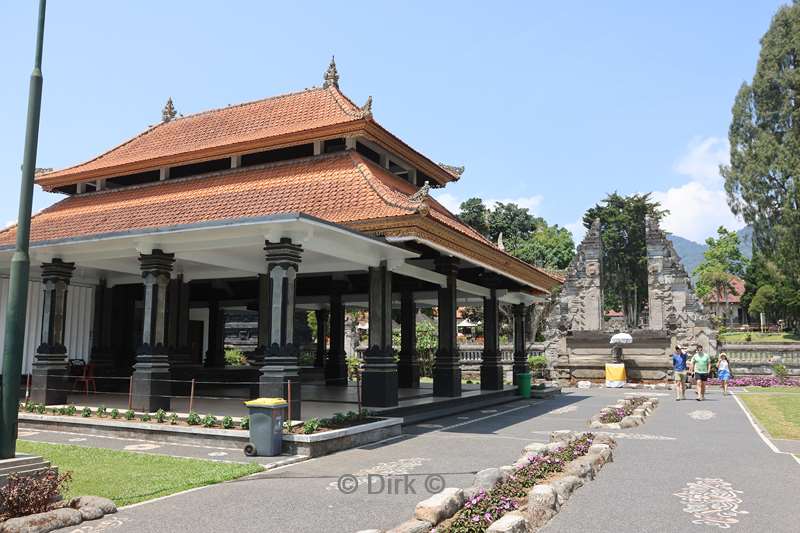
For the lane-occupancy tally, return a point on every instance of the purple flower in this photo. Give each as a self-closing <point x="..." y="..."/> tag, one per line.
<point x="476" y="518"/>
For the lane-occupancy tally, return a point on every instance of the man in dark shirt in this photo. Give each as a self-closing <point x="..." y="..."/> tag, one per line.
<point x="679" y="372"/>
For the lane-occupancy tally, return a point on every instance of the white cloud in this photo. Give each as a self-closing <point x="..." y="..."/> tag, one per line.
<point x="698" y="207"/>
<point x="577" y="229"/>
<point x="449" y="201"/>
<point x="453" y="202"/>
<point x="696" y="211"/>
<point x="529" y="202"/>
<point x="702" y="159"/>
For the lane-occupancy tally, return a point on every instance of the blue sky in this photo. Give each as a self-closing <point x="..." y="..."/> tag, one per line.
<point x="548" y="104"/>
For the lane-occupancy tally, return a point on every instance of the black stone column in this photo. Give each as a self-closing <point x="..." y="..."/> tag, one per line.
<point x="49" y="382"/>
<point x="491" y="369"/>
<point x="447" y="365"/>
<point x="102" y="355"/>
<point x="215" y="357"/>
<point x="379" y="387"/>
<point x="178" y="322"/>
<point x="151" y="386"/>
<point x="322" y="318"/>
<point x="520" y="353"/>
<point x="408" y="366"/>
<point x="276" y="324"/>
<point x="336" y="364"/>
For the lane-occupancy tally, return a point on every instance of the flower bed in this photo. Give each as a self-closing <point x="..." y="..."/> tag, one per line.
<point x="618" y="413"/>
<point x="759" y="381"/>
<point x="509" y="494"/>
<point x="522" y="497"/>
<point x="628" y="412"/>
<point x="314" y="425"/>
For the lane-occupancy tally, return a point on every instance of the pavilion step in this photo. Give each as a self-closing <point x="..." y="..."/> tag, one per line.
<point x="413" y="414"/>
<point x="24" y="465"/>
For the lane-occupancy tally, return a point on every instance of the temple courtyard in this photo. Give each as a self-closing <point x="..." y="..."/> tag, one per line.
<point x="671" y="474"/>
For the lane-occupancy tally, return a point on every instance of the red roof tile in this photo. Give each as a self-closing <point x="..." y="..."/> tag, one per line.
<point x="271" y="117"/>
<point x="338" y="188"/>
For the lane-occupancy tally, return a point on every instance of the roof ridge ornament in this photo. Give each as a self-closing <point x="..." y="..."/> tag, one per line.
<point x="366" y="109"/>
<point x="422" y="194"/>
<point x="500" y="245"/>
<point x="168" y="113"/>
<point x="331" y="75"/>
<point x="455" y="171"/>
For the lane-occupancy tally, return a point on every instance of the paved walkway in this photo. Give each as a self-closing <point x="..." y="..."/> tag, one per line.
<point x="708" y="453"/>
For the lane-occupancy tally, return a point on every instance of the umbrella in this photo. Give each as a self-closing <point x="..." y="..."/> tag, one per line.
<point x="621" y="338"/>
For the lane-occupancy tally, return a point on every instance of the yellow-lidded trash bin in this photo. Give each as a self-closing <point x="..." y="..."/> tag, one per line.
<point x="266" y="426"/>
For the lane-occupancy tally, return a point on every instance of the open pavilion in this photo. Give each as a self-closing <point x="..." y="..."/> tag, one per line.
<point x="301" y="201"/>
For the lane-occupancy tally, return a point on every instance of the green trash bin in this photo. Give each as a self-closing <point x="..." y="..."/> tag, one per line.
<point x="524" y="384"/>
<point x="266" y="426"/>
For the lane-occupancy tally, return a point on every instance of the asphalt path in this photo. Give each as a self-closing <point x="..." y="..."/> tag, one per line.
<point x="688" y="462"/>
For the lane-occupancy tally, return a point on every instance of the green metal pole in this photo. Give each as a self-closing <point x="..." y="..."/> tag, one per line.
<point x="20" y="263"/>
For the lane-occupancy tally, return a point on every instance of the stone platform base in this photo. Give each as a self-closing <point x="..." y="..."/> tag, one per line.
<point x="22" y="464"/>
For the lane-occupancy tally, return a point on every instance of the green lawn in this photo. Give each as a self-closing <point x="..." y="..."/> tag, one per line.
<point x="766" y="390"/>
<point x="127" y="477"/>
<point x="756" y="337"/>
<point x="779" y="414"/>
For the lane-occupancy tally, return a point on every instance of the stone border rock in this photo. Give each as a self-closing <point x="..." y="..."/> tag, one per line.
<point x="543" y="501"/>
<point x="70" y="513"/>
<point x="634" y="419"/>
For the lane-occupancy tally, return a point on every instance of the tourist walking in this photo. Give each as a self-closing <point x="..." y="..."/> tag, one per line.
<point x="701" y="367"/>
<point x="724" y="372"/>
<point x="679" y="371"/>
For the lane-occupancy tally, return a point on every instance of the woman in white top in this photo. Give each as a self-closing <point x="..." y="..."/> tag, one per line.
<point x="723" y="372"/>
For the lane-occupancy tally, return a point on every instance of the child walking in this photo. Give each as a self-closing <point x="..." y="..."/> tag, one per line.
<point x="724" y="372"/>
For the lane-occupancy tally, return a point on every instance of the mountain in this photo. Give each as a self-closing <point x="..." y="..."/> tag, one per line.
<point x="691" y="252"/>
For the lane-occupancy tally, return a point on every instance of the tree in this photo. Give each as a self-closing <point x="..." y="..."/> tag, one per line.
<point x="549" y="247"/>
<point x="763" y="300"/>
<point x="762" y="179"/>
<point x="474" y="213"/>
<point x="722" y="259"/>
<point x="514" y="222"/>
<point x="622" y="230"/>
<point x="525" y="236"/>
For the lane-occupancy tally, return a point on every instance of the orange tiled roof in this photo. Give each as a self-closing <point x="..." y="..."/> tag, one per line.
<point x="732" y="297"/>
<point x="342" y="188"/>
<point x="290" y="117"/>
<point x="270" y="117"/>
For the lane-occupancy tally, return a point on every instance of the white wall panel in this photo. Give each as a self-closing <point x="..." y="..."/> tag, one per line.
<point x="78" y="332"/>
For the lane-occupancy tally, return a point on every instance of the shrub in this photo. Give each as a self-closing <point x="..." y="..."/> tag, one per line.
<point x="209" y="421"/>
<point x="193" y="419"/>
<point x="101" y="411"/>
<point x="71" y="410"/>
<point x="748" y="338"/>
<point x="145" y="417"/>
<point x="173" y="418"/>
<point x="130" y="414"/>
<point x="338" y="418"/>
<point x="227" y="422"/>
<point x="780" y="372"/>
<point x="86" y="412"/>
<point x="234" y="357"/>
<point x="161" y="416"/>
<point x="40" y="408"/>
<point x="25" y="495"/>
<point x="245" y="422"/>
<point x="311" y="426"/>
<point x="353" y="367"/>
<point x="29" y="407"/>
<point x="115" y="413"/>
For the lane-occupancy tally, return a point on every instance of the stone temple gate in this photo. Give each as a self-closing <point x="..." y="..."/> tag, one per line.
<point x="577" y="332"/>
